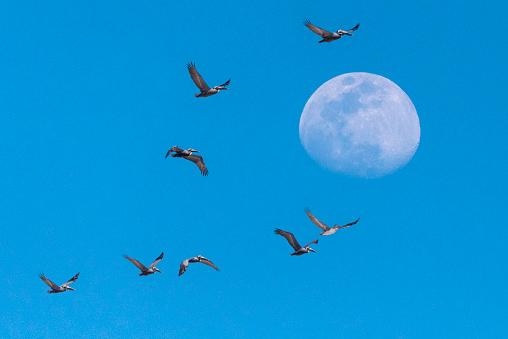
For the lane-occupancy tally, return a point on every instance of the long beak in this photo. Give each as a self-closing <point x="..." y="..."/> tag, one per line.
<point x="167" y="154"/>
<point x="348" y="34"/>
<point x="158" y="270"/>
<point x="224" y="88"/>
<point x="310" y="249"/>
<point x="70" y="288"/>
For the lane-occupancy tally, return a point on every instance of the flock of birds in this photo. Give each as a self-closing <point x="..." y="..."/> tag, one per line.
<point x="176" y="152"/>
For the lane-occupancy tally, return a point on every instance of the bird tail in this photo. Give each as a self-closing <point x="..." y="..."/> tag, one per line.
<point x="196" y="95"/>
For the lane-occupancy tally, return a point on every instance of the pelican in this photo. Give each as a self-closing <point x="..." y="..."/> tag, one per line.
<point x="187" y="154"/>
<point x="146" y="271"/>
<point x="328" y="36"/>
<point x="206" y="91"/>
<point x="62" y="288"/>
<point x="299" y="250"/>
<point x="327" y="230"/>
<point x="199" y="258"/>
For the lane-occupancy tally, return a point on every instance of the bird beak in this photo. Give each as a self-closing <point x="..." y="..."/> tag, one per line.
<point x="310" y="249"/>
<point x="224" y="88"/>
<point x="158" y="270"/>
<point x="348" y="34"/>
<point x="70" y="288"/>
<point x="167" y="154"/>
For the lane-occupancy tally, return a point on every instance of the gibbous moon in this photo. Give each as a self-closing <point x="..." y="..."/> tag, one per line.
<point x="360" y="124"/>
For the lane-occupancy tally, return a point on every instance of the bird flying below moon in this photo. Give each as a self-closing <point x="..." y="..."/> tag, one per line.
<point x="327" y="230"/>
<point x="360" y="124"/>
<point x="62" y="288"/>
<point x="188" y="154"/>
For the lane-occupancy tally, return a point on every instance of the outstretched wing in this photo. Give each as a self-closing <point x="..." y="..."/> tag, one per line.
<point x="353" y="29"/>
<point x="316" y="221"/>
<point x="183" y="267"/>
<point x="159" y="258"/>
<point x="198" y="160"/>
<point x="347" y="225"/>
<point x="71" y="280"/>
<point x="290" y="238"/>
<point x="208" y="262"/>
<point x="49" y="282"/>
<point x="198" y="80"/>
<point x="315" y="29"/>
<point x="226" y="83"/>
<point x="312" y="242"/>
<point x="137" y="263"/>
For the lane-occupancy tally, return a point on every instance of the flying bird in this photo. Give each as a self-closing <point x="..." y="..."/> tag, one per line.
<point x="144" y="270"/>
<point x="327" y="230"/>
<point x="328" y="36"/>
<point x="299" y="250"/>
<point x="62" y="288"/>
<point x="206" y="91"/>
<point x="199" y="258"/>
<point x="188" y="154"/>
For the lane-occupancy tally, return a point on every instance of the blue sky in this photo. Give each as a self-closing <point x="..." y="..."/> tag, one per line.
<point x="94" y="94"/>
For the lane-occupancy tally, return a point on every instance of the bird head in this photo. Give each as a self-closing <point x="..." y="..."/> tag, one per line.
<point x="157" y="270"/>
<point x="310" y="250"/>
<point x="219" y="88"/>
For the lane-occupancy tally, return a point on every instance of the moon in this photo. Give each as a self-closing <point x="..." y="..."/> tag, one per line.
<point x="360" y="124"/>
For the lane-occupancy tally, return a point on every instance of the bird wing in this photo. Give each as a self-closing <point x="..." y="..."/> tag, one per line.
<point x="198" y="160"/>
<point x="289" y="237"/>
<point x="71" y="280"/>
<point x="183" y="267"/>
<point x="198" y="80"/>
<point x="208" y="262"/>
<point x="347" y="225"/>
<point x="316" y="221"/>
<point x="173" y="149"/>
<point x="49" y="282"/>
<point x="312" y="242"/>
<point x="137" y="263"/>
<point x="159" y="258"/>
<point x="353" y="29"/>
<point x="226" y="83"/>
<point x="315" y="29"/>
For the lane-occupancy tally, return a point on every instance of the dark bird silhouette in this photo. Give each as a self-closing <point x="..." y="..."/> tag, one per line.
<point x="62" y="288"/>
<point x="199" y="258"/>
<point x="206" y="91"/>
<point x="329" y="36"/>
<point x="146" y="270"/>
<point x="187" y="154"/>
<point x="299" y="250"/>
<point x="327" y="230"/>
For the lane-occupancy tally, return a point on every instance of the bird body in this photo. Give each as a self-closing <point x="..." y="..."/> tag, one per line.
<point x="299" y="250"/>
<point x="146" y="270"/>
<point x="199" y="258"/>
<point x="329" y="36"/>
<point x="62" y="288"/>
<point x="327" y="230"/>
<point x="206" y="91"/>
<point x="188" y="154"/>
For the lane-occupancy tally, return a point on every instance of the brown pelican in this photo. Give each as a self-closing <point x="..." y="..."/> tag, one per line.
<point x="187" y="154"/>
<point x="206" y="91"/>
<point x="199" y="258"/>
<point x="299" y="250"/>
<point x="146" y="271"/>
<point x="327" y="230"/>
<point x="57" y="289"/>
<point x="328" y="36"/>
